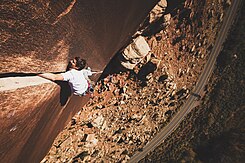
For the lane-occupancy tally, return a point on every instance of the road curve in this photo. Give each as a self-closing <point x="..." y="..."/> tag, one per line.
<point x="203" y="79"/>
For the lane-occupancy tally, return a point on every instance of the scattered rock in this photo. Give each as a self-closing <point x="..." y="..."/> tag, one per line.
<point x="98" y="122"/>
<point x="91" y="141"/>
<point x="126" y="112"/>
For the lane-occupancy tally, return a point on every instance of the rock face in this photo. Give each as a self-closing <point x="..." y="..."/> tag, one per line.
<point x="130" y="107"/>
<point x="42" y="36"/>
<point x="135" y="52"/>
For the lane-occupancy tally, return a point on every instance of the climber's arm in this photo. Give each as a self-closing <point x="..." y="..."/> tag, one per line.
<point x="51" y="76"/>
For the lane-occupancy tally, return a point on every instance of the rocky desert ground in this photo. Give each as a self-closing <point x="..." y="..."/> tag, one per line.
<point x="129" y="107"/>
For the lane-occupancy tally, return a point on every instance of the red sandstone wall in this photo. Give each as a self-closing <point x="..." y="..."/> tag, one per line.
<point x="41" y="36"/>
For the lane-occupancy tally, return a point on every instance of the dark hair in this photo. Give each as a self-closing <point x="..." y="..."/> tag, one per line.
<point x="81" y="63"/>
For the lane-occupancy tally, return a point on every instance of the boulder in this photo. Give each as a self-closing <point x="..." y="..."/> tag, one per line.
<point x="157" y="11"/>
<point x="135" y="52"/>
<point x="98" y="122"/>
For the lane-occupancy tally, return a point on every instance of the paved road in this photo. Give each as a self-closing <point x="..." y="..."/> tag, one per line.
<point x="203" y="79"/>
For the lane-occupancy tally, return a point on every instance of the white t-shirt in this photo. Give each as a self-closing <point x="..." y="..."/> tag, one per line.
<point x="77" y="80"/>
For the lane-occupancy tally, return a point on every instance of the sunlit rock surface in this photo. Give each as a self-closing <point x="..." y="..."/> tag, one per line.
<point x="42" y="36"/>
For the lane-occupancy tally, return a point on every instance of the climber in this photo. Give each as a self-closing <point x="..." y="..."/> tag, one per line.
<point x="77" y="76"/>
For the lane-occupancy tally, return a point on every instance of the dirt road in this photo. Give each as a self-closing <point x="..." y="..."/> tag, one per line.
<point x="203" y="79"/>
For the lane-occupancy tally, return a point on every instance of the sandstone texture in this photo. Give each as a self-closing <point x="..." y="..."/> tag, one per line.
<point x="42" y="36"/>
<point x="129" y="107"/>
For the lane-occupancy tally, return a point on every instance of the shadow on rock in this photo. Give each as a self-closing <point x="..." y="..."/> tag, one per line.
<point x="80" y="156"/>
<point x="65" y="92"/>
<point x="146" y="70"/>
<point x="114" y="66"/>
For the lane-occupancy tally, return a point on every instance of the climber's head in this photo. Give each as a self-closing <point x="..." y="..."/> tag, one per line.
<point x="77" y="63"/>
